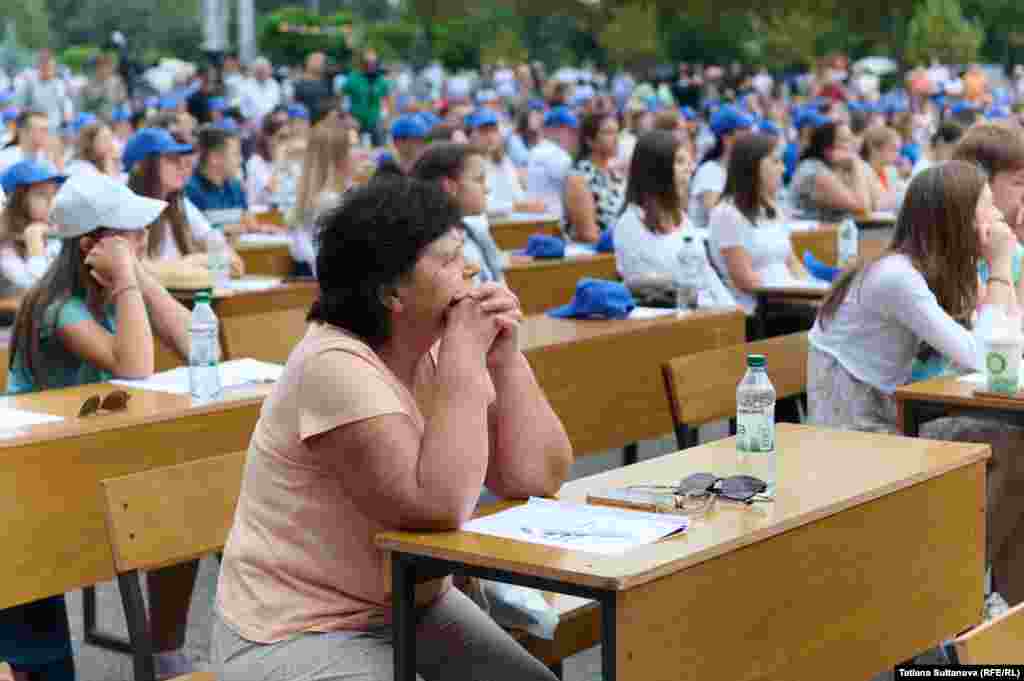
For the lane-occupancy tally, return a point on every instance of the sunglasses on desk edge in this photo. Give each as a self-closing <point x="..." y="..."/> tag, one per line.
<point x="115" y="401"/>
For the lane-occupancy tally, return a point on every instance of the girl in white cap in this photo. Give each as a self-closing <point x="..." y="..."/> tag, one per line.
<point x="91" y="317"/>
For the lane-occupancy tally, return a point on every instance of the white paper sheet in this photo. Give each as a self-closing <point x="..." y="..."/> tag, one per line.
<point x="524" y="217"/>
<point x="233" y="374"/>
<point x="651" y="312"/>
<point x="575" y="250"/>
<point x="979" y="379"/>
<point x="19" y="418"/>
<point x="578" y="527"/>
<point x="260" y="239"/>
<point x="251" y="284"/>
<point x="803" y="225"/>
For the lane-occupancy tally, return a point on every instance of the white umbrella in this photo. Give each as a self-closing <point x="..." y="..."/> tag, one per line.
<point x="876" y="65"/>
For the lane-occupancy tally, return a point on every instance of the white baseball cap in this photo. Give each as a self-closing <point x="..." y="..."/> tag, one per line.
<point x="90" y="200"/>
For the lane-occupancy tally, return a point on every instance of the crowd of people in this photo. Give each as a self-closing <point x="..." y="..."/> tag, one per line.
<point x="387" y="179"/>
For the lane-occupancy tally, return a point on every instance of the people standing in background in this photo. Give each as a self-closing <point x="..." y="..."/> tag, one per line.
<point x="409" y="137"/>
<point x="261" y="94"/>
<point x="551" y="160"/>
<point x="32" y="142"/>
<point x="47" y="93"/>
<point x="259" y="167"/>
<point x="198" y="103"/>
<point x="105" y="91"/>
<point x="369" y="94"/>
<point x="312" y="90"/>
<point x="233" y="79"/>
<point x="594" y="189"/>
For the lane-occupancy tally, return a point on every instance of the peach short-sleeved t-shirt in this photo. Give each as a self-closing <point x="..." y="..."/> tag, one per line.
<point x="300" y="556"/>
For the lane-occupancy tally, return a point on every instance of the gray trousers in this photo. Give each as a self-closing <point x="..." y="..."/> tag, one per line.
<point x="456" y="641"/>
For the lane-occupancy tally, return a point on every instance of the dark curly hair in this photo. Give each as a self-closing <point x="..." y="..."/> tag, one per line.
<point x="370" y="243"/>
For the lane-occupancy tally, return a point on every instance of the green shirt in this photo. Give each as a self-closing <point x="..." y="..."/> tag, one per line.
<point x="365" y="97"/>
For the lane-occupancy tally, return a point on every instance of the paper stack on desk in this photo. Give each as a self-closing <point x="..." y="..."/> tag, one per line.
<point x="233" y="374"/>
<point x="578" y="527"/>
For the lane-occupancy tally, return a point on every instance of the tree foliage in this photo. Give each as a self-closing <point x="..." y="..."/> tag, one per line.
<point x="30" y="20"/>
<point x="789" y="37"/>
<point x="939" y="29"/>
<point x="631" y="36"/>
<point x="281" y="44"/>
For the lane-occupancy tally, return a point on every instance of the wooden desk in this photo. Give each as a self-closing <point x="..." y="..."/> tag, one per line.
<point x="5" y="356"/>
<point x="263" y="325"/>
<point x="873" y="551"/>
<point x="878" y="220"/>
<point x="769" y="296"/>
<point x="267" y="259"/>
<point x="514" y="231"/>
<point x="10" y="305"/>
<point x="925" y="400"/>
<point x="604" y="378"/>
<point x="822" y="242"/>
<point x="49" y="476"/>
<point x="548" y="282"/>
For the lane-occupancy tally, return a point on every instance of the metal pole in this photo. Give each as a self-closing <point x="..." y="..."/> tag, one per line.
<point x="246" y="31"/>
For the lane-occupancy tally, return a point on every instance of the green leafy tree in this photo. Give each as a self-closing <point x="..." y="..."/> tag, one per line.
<point x="939" y="29"/>
<point x="789" y="37"/>
<point x="631" y="37"/>
<point x="282" y="44"/>
<point x="31" y="22"/>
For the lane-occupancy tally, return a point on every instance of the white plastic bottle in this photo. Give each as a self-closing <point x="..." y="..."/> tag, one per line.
<point x="219" y="257"/>
<point x="204" y="350"/>
<point x="755" y="422"/>
<point x="692" y="276"/>
<point x="848" y="239"/>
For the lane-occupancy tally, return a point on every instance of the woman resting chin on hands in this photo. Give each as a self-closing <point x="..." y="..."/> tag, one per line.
<point x="407" y="394"/>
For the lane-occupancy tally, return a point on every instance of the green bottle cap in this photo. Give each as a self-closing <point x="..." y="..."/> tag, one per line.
<point x="755" y="361"/>
<point x="203" y="296"/>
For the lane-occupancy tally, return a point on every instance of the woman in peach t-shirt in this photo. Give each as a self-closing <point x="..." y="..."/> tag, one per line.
<point x="407" y="394"/>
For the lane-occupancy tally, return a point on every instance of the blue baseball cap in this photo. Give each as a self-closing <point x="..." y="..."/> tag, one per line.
<point x="537" y="105"/>
<point x="480" y="118"/>
<point x="149" y="142"/>
<point x="410" y="126"/>
<point x="961" y="106"/>
<point x="810" y="118"/>
<point x="121" y="114"/>
<point x="218" y="104"/>
<point x="29" y="172"/>
<point x="561" y="117"/>
<point x="767" y="127"/>
<point x="688" y="113"/>
<point x="597" y="299"/>
<point x="10" y="114"/>
<point x="820" y="270"/>
<point x="81" y="120"/>
<point x="228" y="124"/>
<point x="485" y="96"/>
<point x="298" y="111"/>
<point x="544" y="246"/>
<point x="606" y="244"/>
<point x="168" y="102"/>
<point x="729" y="119"/>
<point x="430" y="118"/>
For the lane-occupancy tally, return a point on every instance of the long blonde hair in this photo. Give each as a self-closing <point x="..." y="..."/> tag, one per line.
<point x="327" y="152"/>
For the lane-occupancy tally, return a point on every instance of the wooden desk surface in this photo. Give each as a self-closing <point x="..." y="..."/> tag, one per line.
<point x="947" y="390"/>
<point x="10" y="304"/>
<point x="822" y="242"/>
<point x="514" y="231"/>
<point x="604" y="378"/>
<point x="820" y="473"/>
<point x="548" y="282"/>
<point x="267" y="259"/>
<point x="49" y="475"/>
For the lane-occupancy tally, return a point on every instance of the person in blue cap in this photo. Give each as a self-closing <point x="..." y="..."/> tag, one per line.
<point x="298" y="118"/>
<point x="727" y="124"/>
<point x="25" y="224"/>
<point x="805" y="120"/>
<point x="505" y="193"/>
<point x="528" y="132"/>
<point x="32" y="141"/>
<point x="218" y="105"/>
<point x="551" y="160"/>
<point x="409" y="139"/>
<point x="158" y="168"/>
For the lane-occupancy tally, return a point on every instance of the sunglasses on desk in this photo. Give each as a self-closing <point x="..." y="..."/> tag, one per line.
<point x="695" y="494"/>
<point x="115" y="401"/>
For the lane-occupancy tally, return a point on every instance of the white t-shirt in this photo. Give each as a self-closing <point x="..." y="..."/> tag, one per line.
<point x="503" y="188"/>
<point x="546" y="172"/>
<point x="200" y="231"/>
<point x="877" y="329"/>
<point x="767" y="244"/>
<point x="710" y="177"/>
<point x="640" y="252"/>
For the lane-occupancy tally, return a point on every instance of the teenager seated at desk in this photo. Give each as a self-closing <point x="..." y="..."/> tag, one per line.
<point x="214" y="186"/>
<point x="830" y="182"/>
<point x="650" y="231"/>
<point x="881" y="151"/>
<point x="25" y="224"/>
<point x="749" y="241"/>
<point x="407" y="394"/>
<point x="91" y="317"/>
<point x="924" y="290"/>
<point x="594" y="189"/>
<point x="505" y="192"/>
<point x="96" y="152"/>
<point x="326" y="176"/>
<point x="459" y="170"/>
<point x="158" y="168"/>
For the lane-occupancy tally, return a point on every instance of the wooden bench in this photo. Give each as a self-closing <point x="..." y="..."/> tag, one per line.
<point x="514" y="232"/>
<point x="546" y="283"/>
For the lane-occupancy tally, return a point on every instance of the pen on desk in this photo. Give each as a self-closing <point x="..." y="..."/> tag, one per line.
<point x="574" y="534"/>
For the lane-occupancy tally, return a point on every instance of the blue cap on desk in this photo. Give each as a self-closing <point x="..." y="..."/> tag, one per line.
<point x="29" y="172"/>
<point x="820" y="270"/>
<point x="545" y="246"/>
<point x="606" y="244"/>
<point x="597" y="299"/>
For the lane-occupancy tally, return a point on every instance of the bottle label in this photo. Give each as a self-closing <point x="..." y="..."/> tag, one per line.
<point x="755" y="430"/>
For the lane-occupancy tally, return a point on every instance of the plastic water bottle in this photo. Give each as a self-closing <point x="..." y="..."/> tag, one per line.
<point x="204" y="350"/>
<point x="219" y="258"/>
<point x="848" y="241"/>
<point x="691" y="275"/>
<point x="755" y="422"/>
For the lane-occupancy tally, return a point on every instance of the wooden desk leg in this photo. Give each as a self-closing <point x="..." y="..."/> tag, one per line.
<point x="609" y="637"/>
<point x="760" y="319"/>
<point x="909" y="414"/>
<point x="403" y="608"/>
<point x="629" y="454"/>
